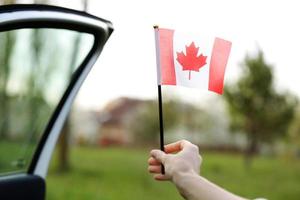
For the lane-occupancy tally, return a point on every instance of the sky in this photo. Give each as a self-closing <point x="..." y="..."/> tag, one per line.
<point x="127" y="65"/>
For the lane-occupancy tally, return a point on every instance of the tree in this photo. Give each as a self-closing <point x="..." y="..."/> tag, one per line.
<point x="7" y="43"/>
<point x="63" y="142"/>
<point x="294" y="133"/>
<point x="255" y="107"/>
<point x="176" y="114"/>
<point x="147" y="128"/>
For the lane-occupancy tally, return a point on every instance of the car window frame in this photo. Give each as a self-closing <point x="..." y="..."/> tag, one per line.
<point x="20" y="16"/>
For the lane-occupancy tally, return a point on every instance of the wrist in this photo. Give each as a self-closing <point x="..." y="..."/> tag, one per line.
<point x="181" y="176"/>
<point x="185" y="181"/>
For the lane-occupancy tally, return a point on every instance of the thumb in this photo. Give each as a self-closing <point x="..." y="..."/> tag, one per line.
<point x="158" y="155"/>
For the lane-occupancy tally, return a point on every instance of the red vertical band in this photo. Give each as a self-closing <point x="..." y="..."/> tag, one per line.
<point x="218" y="62"/>
<point x="167" y="69"/>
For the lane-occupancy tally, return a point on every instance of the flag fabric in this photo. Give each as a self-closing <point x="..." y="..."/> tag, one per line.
<point x="191" y="61"/>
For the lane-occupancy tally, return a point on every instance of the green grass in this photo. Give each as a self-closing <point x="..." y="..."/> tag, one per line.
<point x="15" y="156"/>
<point x="115" y="173"/>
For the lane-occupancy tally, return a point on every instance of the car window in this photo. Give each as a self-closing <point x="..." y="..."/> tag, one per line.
<point x="36" y="66"/>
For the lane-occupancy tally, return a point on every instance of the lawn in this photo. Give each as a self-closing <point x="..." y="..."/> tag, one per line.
<point x="15" y="156"/>
<point x="120" y="173"/>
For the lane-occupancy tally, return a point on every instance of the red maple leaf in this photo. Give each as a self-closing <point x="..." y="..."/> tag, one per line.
<point x="191" y="61"/>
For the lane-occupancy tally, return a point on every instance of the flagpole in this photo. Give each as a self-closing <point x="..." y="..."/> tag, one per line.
<point x="161" y="125"/>
<point x="160" y="109"/>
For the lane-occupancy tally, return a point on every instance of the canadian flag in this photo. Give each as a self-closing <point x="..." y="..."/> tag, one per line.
<point x="191" y="61"/>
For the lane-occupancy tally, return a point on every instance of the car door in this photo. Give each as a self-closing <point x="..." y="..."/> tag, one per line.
<point x="46" y="53"/>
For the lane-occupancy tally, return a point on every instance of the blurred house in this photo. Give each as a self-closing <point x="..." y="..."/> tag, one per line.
<point x="113" y="125"/>
<point x="114" y="120"/>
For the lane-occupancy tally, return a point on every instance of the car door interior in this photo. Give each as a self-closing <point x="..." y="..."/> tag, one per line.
<point x="30" y="183"/>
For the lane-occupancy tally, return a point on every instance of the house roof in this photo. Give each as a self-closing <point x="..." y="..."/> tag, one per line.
<point x="116" y="111"/>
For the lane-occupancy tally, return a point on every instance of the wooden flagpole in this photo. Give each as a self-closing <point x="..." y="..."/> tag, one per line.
<point x="160" y="108"/>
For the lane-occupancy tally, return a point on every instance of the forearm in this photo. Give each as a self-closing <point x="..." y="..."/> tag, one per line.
<point x="194" y="187"/>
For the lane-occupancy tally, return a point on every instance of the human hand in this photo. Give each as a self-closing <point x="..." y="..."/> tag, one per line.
<point x="186" y="161"/>
<point x="183" y="169"/>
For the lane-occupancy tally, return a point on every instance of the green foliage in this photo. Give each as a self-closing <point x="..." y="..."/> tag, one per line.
<point x="194" y="119"/>
<point x="145" y="125"/>
<point x="255" y="107"/>
<point x="119" y="173"/>
<point x="294" y="131"/>
<point x="176" y="114"/>
<point x="7" y="42"/>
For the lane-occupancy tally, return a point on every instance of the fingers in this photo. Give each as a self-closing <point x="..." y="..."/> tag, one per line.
<point x="152" y="161"/>
<point x="187" y="152"/>
<point x="154" y="169"/>
<point x="176" y="146"/>
<point x="158" y="155"/>
<point x="161" y="177"/>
